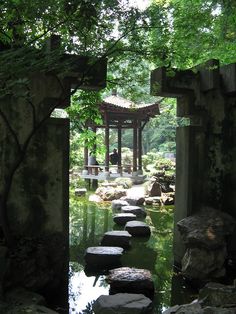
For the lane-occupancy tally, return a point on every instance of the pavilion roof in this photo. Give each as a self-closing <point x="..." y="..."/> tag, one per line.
<point x="122" y="112"/>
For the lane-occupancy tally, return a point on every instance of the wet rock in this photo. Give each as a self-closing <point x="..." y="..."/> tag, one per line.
<point x="116" y="238"/>
<point x="206" y="229"/>
<point x="122" y="218"/>
<point x="21" y="296"/>
<point x="136" y="210"/>
<point x="80" y="191"/>
<point x="103" y="256"/>
<point x="205" y="237"/>
<point x="216" y="294"/>
<point x="117" y="204"/>
<point x="123" y="303"/>
<point x="199" y="263"/>
<point x="131" y="280"/>
<point x="138" y="228"/>
<point x="193" y="308"/>
<point x="134" y="199"/>
<point x="29" y="309"/>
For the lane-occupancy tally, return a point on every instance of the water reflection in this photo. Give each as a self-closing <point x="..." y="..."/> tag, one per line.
<point x="88" y="224"/>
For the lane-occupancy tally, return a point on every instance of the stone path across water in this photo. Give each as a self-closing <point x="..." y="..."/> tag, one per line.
<point x="134" y="281"/>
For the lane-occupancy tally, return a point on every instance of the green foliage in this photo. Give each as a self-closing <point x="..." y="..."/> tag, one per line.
<point x="126" y="183"/>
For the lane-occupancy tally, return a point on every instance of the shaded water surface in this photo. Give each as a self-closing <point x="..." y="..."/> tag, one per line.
<point x="88" y="223"/>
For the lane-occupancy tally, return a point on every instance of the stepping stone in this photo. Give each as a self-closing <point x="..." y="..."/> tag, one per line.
<point x="117" y="204"/>
<point x="101" y="256"/>
<point x="134" y="200"/>
<point x="131" y="280"/>
<point x="123" y="303"/>
<point x="136" y="210"/>
<point x="116" y="238"/>
<point x="123" y="218"/>
<point x="137" y="228"/>
<point x="80" y="191"/>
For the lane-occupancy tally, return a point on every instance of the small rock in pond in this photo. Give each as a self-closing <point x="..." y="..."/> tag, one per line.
<point x="80" y="191"/>
<point x="131" y="280"/>
<point x="123" y="303"/>
<point x="123" y="218"/>
<point x="116" y="238"/>
<point x="101" y="256"/>
<point x="137" y="228"/>
<point x="136" y="210"/>
<point x="117" y="204"/>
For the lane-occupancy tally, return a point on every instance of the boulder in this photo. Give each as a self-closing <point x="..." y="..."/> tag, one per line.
<point x="103" y="256"/>
<point x="134" y="199"/>
<point x="154" y="188"/>
<point x="200" y="263"/>
<point x="80" y="191"/>
<point x="122" y="218"/>
<point x="137" y="228"/>
<point x="123" y="303"/>
<point x="208" y="228"/>
<point x="136" y="210"/>
<point x="110" y="193"/>
<point x="116" y="238"/>
<point x="21" y="296"/>
<point x="29" y="309"/>
<point x="131" y="280"/>
<point x="117" y="204"/>
<point x="205" y="237"/>
<point x="168" y="198"/>
<point x="219" y="295"/>
<point x="153" y="200"/>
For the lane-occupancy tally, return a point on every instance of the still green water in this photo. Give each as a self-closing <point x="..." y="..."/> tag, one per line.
<point x="88" y="223"/>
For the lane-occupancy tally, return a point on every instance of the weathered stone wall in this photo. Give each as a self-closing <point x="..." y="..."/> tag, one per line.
<point x="206" y="150"/>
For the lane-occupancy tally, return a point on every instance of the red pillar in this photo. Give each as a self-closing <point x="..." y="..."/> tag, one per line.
<point x="107" y="143"/>
<point x="119" y="149"/>
<point x="135" y="138"/>
<point x="140" y="164"/>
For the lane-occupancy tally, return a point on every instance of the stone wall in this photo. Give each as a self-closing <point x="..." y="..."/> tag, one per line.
<point x="206" y="150"/>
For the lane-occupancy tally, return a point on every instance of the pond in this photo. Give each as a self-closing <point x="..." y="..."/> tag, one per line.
<point x="88" y="223"/>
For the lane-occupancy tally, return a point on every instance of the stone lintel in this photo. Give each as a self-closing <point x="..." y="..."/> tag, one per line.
<point x="86" y="73"/>
<point x="209" y="75"/>
<point x="171" y="83"/>
<point x="228" y="74"/>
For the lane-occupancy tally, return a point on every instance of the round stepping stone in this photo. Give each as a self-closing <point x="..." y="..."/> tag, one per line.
<point x="137" y="228"/>
<point x="117" y="204"/>
<point x="101" y="256"/>
<point x="131" y="280"/>
<point x="136" y="210"/>
<point x="123" y="303"/>
<point x="123" y="218"/>
<point x="116" y="238"/>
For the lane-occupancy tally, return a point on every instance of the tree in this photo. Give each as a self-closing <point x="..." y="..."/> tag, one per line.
<point x="85" y="27"/>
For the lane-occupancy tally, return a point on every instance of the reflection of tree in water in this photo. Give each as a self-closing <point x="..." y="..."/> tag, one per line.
<point x="87" y="225"/>
<point x="161" y="241"/>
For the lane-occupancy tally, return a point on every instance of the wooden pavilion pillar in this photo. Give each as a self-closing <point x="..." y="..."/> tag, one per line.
<point x="94" y="129"/>
<point x="135" y="145"/>
<point x="140" y="164"/>
<point x="85" y="152"/>
<point x="107" y="143"/>
<point x="119" y="149"/>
